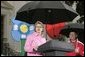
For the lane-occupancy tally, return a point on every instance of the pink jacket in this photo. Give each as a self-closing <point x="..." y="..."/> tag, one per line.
<point x="33" y="41"/>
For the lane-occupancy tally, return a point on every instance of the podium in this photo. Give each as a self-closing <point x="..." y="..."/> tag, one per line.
<point x="55" y="48"/>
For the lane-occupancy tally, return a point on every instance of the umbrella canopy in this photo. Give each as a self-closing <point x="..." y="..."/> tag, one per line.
<point x="53" y="29"/>
<point x="46" y="12"/>
<point x="78" y="28"/>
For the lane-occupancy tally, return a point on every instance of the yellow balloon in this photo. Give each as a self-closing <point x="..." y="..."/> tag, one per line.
<point x="24" y="28"/>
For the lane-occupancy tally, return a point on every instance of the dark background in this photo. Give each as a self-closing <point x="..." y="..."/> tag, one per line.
<point x="79" y="9"/>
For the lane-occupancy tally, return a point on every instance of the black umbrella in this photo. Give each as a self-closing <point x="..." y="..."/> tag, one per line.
<point x="46" y="12"/>
<point x="78" y="28"/>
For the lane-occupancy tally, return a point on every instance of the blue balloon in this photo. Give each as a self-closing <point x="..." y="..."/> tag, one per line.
<point x="16" y="22"/>
<point x="16" y="35"/>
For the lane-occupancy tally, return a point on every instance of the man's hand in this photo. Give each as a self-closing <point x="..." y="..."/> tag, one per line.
<point x="77" y="50"/>
<point x="67" y="23"/>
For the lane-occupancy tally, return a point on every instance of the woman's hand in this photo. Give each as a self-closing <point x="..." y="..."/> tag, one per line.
<point x="36" y="48"/>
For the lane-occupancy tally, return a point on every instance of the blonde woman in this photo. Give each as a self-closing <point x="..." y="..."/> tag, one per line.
<point x="34" y="40"/>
